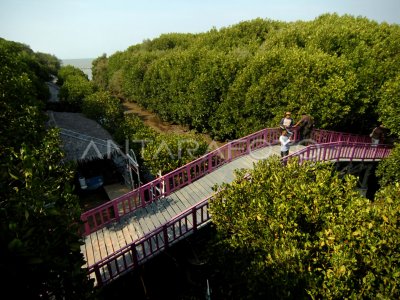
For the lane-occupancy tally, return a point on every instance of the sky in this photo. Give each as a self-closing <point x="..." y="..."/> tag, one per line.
<point x="72" y="29"/>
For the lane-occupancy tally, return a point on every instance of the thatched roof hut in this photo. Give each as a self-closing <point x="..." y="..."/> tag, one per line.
<point x="83" y="139"/>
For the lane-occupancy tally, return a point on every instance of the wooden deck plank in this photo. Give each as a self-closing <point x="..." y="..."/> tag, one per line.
<point x="198" y="190"/>
<point x="154" y="219"/>
<point x="108" y="242"/>
<point x="96" y="248"/>
<point x="137" y="224"/>
<point x="83" y="250"/>
<point x="162" y="210"/>
<point x="114" y="240"/>
<point x="144" y="220"/>
<point x="179" y="204"/>
<point x="168" y="204"/>
<point x="89" y="250"/>
<point x="190" y="198"/>
<point x="143" y="224"/>
<point x="134" y="230"/>
<point x="121" y="238"/>
<point x="219" y="179"/>
<point x="101" y="243"/>
<point x="170" y="209"/>
<point x="129" y="238"/>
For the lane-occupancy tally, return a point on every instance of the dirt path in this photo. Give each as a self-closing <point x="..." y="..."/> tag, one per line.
<point x="153" y="121"/>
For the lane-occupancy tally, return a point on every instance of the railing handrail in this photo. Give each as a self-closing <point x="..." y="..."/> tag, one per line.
<point x="317" y="152"/>
<point x="94" y="268"/>
<point x="381" y="150"/>
<point x="161" y="187"/>
<point x="110" y="211"/>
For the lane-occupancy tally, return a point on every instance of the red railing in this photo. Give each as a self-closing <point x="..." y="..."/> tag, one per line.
<point x="98" y="217"/>
<point x="320" y="136"/>
<point x="136" y="253"/>
<point x="197" y="216"/>
<point x="347" y="151"/>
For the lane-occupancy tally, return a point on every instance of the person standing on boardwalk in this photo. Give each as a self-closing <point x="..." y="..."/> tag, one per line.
<point x="287" y="122"/>
<point x="306" y="124"/>
<point x="284" y="139"/>
<point x="377" y="135"/>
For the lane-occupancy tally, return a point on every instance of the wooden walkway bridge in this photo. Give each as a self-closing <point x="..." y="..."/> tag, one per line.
<point x="129" y="230"/>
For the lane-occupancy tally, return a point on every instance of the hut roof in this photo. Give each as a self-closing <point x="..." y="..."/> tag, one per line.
<point x="83" y="139"/>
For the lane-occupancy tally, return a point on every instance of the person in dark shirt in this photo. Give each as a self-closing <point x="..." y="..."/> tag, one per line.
<point x="306" y="124"/>
<point x="378" y="135"/>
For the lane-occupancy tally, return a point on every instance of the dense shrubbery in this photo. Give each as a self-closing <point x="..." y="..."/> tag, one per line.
<point x="294" y="232"/>
<point x="236" y="80"/>
<point x="40" y="254"/>
<point x="160" y="151"/>
<point x="303" y="231"/>
<point x="103" y="108"/>
<point x="75" y="86"/>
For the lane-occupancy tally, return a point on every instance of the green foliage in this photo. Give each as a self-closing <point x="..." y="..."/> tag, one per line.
<point x="167" y="42"/>
<point x="21" y="74"/>
<point x="39" y="229"/>
<point x="66" y="71"/>
<point x="39" y="216"/>
<point x="389" y="105"/>
<point x="238" y="79"/>
<point x="74" y="89"/>
<point x="388" y="169"/>
<point x="50" y="63"/>
<point x="169" y="151"/>
<point x="301" y="231"/>
<point x="160" y="151"/>
<point x="99" y="72"/>
<point x="103" y="108"/>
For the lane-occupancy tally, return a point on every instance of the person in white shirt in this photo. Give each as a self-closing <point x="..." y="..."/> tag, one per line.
<point x="284" y="139"/>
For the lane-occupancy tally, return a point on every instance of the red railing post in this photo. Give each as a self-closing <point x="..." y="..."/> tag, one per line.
<point x="116" y="212"/>
<point x="376" y="150"/>
<point x="142" y="197"/>
<point x="166" y="185"/>
<point x="134" y="255"/>
<point x="209" y="163"/>
<point x="194" y="216"/>
<point x="229" y="149"/>
<point x="165" y="234"/>
<point x="86" y="225"/>
<point x="340" y="151"/>
<point x="189" y="176"/>
<point x="366" y="148"/>
<point x="101" y="215"/>
<point x="98" y="275"/>
<point x="352" y="152"/>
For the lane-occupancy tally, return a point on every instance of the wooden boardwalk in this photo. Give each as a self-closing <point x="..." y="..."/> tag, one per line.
<point x="115" y="236"/>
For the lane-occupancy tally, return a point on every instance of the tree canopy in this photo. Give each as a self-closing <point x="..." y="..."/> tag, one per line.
<point x="241" y="78"/>
<point x="303" y="231"/>
<point x="40" y="254"/>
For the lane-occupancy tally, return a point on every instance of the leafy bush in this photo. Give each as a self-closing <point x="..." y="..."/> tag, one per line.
<point x="74" y="89"/>
<point x="160" y="151"/>
<point x="39" y="215"/>
<point x="103" y="108"/>
<point x="238" y="79"/>
<point x="301" y="231"/>
<point x="169" y="151"/>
